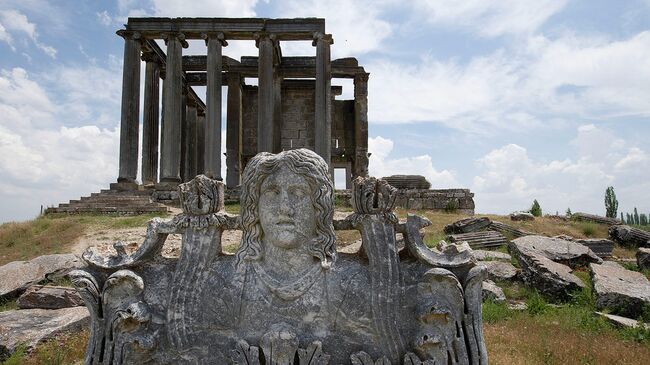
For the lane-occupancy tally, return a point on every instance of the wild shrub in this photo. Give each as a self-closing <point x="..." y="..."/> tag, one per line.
<point x="535" y="209"/>
<point x="588" y="228"/>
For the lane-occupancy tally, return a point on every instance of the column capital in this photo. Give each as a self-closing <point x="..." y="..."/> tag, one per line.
<point x="262" y="36"/>
<point x="215" y="35"/>
<point x="180" y="36"/>
<point x="149" y="56"/>
<point x="128" y="34"/>
<point x="322" y="37"/>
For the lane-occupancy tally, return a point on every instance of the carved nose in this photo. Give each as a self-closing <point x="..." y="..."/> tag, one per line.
<point x="286" y="209"/>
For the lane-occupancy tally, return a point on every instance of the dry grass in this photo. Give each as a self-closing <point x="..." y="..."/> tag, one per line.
<point x="55" y="234"/>
<point x="64" y="349"/>
<point x="523" y="339"/>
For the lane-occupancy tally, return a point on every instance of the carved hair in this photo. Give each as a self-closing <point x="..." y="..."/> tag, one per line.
<point x="313" y="168"/>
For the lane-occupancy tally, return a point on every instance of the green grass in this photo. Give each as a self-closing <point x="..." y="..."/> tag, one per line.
<point x="588" y="228"/>
<point x="232" y="208"/>
<point x="8" y="305"/>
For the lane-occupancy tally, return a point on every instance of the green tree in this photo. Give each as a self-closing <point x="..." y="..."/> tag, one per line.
<point x="636" y="217"/>
<point x="629" y="220"/>
<point x="535" y="209"/>
<point x="643" y="219"/>
<point x="568" y="212"/>
<point x="622" y="219"/>
<point x="611" y="204"/>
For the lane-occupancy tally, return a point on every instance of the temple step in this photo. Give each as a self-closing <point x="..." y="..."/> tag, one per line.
<point x="107" y="201"/>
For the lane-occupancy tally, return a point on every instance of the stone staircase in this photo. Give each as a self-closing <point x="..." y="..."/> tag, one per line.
<point x="116" y="201"/>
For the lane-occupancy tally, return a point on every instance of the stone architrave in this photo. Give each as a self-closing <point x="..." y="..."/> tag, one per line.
<point x="287" y="296"/>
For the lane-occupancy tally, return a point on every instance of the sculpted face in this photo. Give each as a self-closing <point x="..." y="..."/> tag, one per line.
<point x="286" y="213"/>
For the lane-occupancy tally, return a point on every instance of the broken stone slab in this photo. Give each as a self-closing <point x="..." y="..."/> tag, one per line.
<point x="621" y="291"/>
<point x="643" y="258"/>
<point x="49" y="297"/>
<point x="602" y="247"/>
<point x="555" y="249"/>
<point x="553" y="280"/>
<point x="499" y="270"/>
<point x="483" y="239"/>
<point x="19" y="275"/>
<point x="487" y="255"/>
<point x="467" y="225"/>
<point x="28" y="327"/>
<point x="491" y="291"/>
<point x="629" y="236"/>
<point x="619" y="321"/>
<point x="521" y="216"/>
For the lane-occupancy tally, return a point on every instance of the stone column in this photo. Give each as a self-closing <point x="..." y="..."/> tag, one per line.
<point x="360" y="167"/>
<point x="213" y="102"/>
<point x="170" y="159"/>
<point x="191" y="139"/>
<point x="130" y="119"/>
<point x="265" y="93"/>
<point x="233" y="130"/>
<point x="150" y="121"/>
<point x="200" y="141"/>
<point x="184" y="135"/>
<point x="323" y="111"/>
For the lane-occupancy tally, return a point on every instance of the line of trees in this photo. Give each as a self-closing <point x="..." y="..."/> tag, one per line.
<point x="635" y="218"/>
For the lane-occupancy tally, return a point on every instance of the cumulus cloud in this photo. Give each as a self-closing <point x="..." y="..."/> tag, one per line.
<point x="489" y="18"/>
<point x="513" y="90"/>
<point x="510" y="179"/>
<point x="15" y="21"/>
<point x="383" y="164"/>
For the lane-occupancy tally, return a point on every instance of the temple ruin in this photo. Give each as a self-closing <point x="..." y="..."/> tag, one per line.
<point x="292" y="105"/>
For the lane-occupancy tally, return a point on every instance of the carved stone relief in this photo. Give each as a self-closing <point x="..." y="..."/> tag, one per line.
<point x="287" y="296"/>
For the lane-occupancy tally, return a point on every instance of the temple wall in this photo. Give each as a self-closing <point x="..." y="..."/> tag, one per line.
<point x="437" y="200"/>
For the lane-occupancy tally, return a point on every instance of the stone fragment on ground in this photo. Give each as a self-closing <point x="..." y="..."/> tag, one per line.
<point x="629" y="236"/>
<point x="49" y="297"/>
<point x="557" y="250"/>
<point x="602" y="247"/>
<point x="28" y="327"/>
<point x="18" y="275"/>
<point x="472" y="224"/>
<point x="621" y="291"/>
<point x="643" y="258"/>
<point x="517" y="305"/>
<point x="500" y="270"/>
<point x="521" y="216"/>
<point x="553" y="280"/>
<point x="619" y="321"/>
<point x="491" y="291"/>
<point x="487" y="255"/>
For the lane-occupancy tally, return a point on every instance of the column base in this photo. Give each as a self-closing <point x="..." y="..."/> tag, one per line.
<point x="124" y="186"/>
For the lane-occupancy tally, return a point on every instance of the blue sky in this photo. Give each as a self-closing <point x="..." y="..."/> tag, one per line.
<point x="516" y="100"/>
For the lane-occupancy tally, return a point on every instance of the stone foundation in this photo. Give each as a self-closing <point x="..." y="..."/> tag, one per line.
<point x="437" y="200"/>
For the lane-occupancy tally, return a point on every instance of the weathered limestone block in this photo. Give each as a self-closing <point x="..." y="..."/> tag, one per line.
<point x="483" y="239"/>
<point x="486" y="255"/>
<point x="621" y="291"/>
<point x="467" y="225"/>
<point x="643" y="258"/>
<point x="287" y="296"/>
<point x="18" y="275"/>
<point x="551" y="279"/>
<point x="594" y="218"/>
<point x="510" y="231"/>
<point x="558" y="250"/>
<point x="500" y="270"/>
<point x="49" y="297"/>
<point x="28" y="327"/>
<point x="629" y="236"/>
<point x="522" y="216"/>
<point x="491" y="291"/>
<point x="601" y="247"/>
<point x="619" y="321"/>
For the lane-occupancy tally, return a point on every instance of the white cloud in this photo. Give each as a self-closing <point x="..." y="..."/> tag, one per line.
<point x="382" y="164"/>
<point x="489" y="18"/>
<point x="13" y="20"/>
<point x="205" y="8"/>
<point x="516" y="90"/>
<point x="510" y="179"/>
<point x="104" y="18"/>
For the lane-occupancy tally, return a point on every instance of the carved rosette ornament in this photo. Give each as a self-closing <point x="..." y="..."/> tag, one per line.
<point x="287" y="297"/>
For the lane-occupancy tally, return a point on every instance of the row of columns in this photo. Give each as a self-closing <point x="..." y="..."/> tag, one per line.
<point x="182" y="144"/>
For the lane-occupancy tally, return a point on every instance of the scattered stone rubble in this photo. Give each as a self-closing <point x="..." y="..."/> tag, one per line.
<point x="629" y="236"/>
<point x="622" y="291"/>
<point x="49" y="297"/>
<point x="522" y="216"/>
<point x="595" y="219"/>
<point x="484" y="239"/>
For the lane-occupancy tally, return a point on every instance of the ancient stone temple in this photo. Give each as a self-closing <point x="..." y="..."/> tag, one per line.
<point x="292" y="105"/>
<point x="287" y="296"/>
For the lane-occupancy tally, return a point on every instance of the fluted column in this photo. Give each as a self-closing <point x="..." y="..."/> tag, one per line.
<point x="265" y="94"/>
<point x="233" y="130"/>
<point x="200" y="141"/>
<point x="170" y="159"/>
<point x="150" y="121"/>
<point x="360" y="163"/>
<point x="191" y="122"/>
<point x="323" y="111"/>
<point x="212" y="158"/>
<point x="130" y="116"/>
